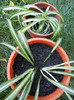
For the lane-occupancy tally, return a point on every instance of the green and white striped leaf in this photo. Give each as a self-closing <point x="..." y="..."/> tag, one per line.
<point x="30" y="84"/>
<point x="54" y="22"/>
<point x="56" y="27"/>
<point x="41" y="26"/>
<point x="21" y="13"/>
<point x="56" y="45"/>
<point x="13" y="48"/>
<point x="54" y="48"/>
<point x="47" y="28"/>
<point x="7" y="8"/>
<point x="19" y="20"/>
<point x="23" y="91"/>
<point x="63" y="73"/>
<point x="53" y="25"/>
<point x="6" y="84"/>
<point x="17" y="89"/>
<point x="69" y="97"/>
<point x="15" y="37"/>
<point x="25" y="28"/>
<point x="60" y="67"/>
<point x="57" y="13"/>
<point x="33" y="29"/>
<point x="60" y="85"/>
<point x="47" y="9"/>
<point x="57" y="32"/>
<point x="33" y="14"/>
<point x="27" y="87"/>
<point x="57" y="81"/>
<point x="28" y="90"/>
<point x="50" y="75"/>
<point x="24" y="43"/>
<point x="33" y="6"/>
<point x="37" y="90"/>
<point x="69" y="62"/>
<point x="32" y="19"/>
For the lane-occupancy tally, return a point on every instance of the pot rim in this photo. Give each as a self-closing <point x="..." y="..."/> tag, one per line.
<point x="58" y="92"/>
<point x="45" y="35"/>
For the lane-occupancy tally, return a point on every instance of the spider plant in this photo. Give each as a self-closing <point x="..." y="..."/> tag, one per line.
<point x="44" y="19"/>
<point x="28" y="76"/>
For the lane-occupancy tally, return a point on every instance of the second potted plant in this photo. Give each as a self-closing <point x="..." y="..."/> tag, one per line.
<point x="41" y="19"/>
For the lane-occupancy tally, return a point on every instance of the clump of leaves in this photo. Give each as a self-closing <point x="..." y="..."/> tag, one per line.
<point x="28" y="76"/>
<point x="46" y="22"/>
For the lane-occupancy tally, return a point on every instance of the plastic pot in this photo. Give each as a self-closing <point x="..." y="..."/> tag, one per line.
<point x="42" y="5"/>
<point x="58" y="92"/>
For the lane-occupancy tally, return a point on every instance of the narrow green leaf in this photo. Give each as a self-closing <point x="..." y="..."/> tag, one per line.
<point x="27" y="90"/>
<point x="47" y="9"/>
<point x="20" y="13"/>
<point x="33" y="14"/>
<point x="15" y="37"/>
<point x="33" y="6"/>
<point x="41" y="26"/>
<point x="33" y="29"/>
<point x="7" y="8"/>
<point x="60" y="67"/>
<point x="57" y="13"/>
<point x="6" y="84"/>
<point x="69" y="62"/>
<point x="37" y="90"/>
<point x="17" y="89"/>
<point x="60" y="85"/>
<point x="24" y="43"/>
<point x="69" y="97"/>
<point x="25" y="28"/>
<point x="56" y="45"/>
<point x="57" y="32"/>
<point x="47" y="28"/>
<point x="54" y="22"/>
<point x="56" y="27"/>
<point x="30" y="84"/>
<point x="53" y="25"/>
<point x="32" y="19"/>
<point x="23" y="91"/>
<point x="53" y="19"/>
<point x="50" y="75"/>
<point x="13" y="48"/>
<point x="63" y="73"/>
<point x="19" y="20"/>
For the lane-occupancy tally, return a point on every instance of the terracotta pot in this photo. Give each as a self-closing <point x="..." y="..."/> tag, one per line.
<point x="58" y="92"/>
<point x="52" y="8"/>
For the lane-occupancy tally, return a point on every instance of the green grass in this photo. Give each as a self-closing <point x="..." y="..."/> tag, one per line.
<point x="65" y="7"/>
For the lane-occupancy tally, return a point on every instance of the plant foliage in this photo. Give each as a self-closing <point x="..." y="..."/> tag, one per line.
<point x="46" y="20"/>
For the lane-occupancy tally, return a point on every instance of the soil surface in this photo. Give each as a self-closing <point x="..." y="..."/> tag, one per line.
<point x="40" y="52"/>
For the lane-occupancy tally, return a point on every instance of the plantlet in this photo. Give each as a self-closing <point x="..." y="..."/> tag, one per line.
<point x="28" y="75"/>
<point x="44" y="19"/>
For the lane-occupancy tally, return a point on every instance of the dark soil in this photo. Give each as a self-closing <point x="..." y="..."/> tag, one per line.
<point x="40" y="52"/>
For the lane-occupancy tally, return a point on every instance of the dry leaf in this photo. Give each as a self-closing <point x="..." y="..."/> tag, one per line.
<point x="23" y="1"/>
<point x="3" y="60"/>
<point x="11" y="3"/>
